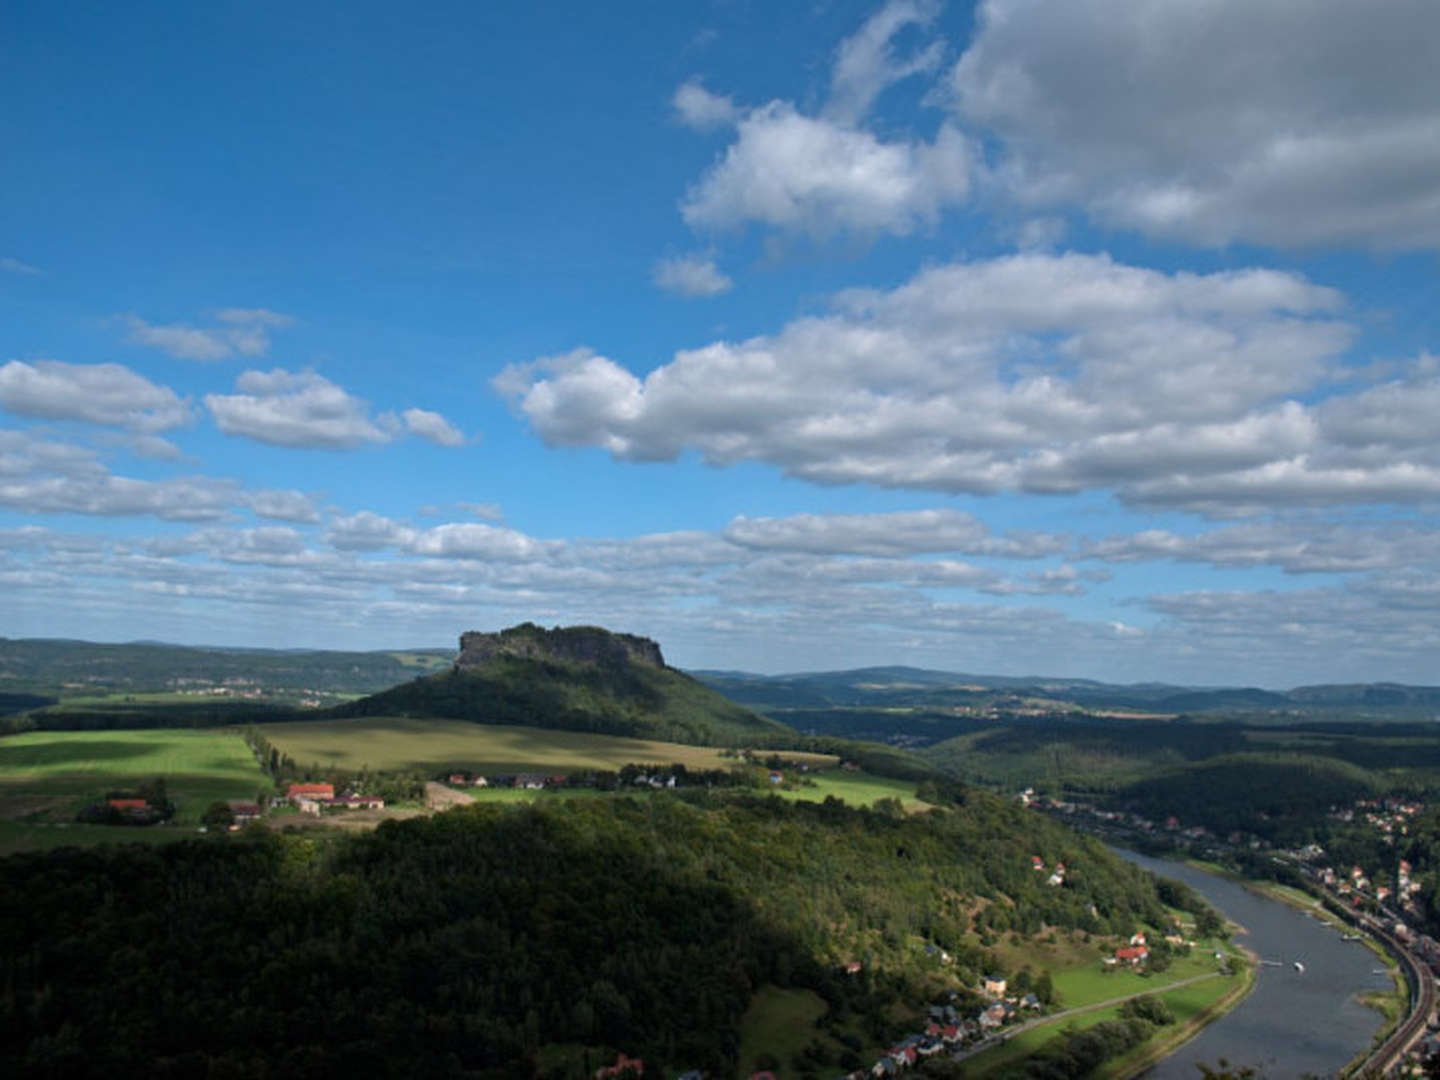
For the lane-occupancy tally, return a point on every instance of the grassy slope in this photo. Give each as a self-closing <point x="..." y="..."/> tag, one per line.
<point x="632" y="699"/>
<point x="779" y="1023"/>
<point x="401" y="743"/>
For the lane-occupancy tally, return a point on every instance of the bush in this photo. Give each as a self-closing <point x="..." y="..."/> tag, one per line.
<point x="1148" y="1008"/>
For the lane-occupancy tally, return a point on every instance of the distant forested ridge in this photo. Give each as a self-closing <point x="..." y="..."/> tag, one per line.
<point x="47" y="666"/>
<point x="1014" y="697"/>
<point x="485" y="941"/>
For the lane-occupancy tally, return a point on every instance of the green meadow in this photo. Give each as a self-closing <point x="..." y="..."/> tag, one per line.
<point x="777" y="1026"/>
<point x="854" y="788"/>
<point x="392" y="743"/>
<point x="46" y="776"/>
<point x="1082" y="985"/>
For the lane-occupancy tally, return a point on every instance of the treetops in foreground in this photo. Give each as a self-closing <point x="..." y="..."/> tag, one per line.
<point x="480" y="942"/>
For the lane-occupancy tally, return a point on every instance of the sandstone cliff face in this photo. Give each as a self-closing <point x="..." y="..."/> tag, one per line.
<point x="589" y="644"/>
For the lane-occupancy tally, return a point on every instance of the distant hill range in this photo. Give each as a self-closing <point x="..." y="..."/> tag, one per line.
<point x="54" y="668"/>
<point x="895" y="686"/>
<point x="595" y="680"/>
<point x="579" y="678"/>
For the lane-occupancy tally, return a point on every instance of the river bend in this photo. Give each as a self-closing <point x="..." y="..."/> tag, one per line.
<point x="1293" y="1024"/>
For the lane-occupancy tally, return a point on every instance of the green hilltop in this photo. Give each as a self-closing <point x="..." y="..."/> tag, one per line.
<point x="580" y="678"/>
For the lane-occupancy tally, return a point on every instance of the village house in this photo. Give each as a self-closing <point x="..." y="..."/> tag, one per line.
<point x="624" y="1066"/>
<point x="1132" y="955"/>
<point x="357" y="802"/>
<point x="126" y="804"/>
<point x="244" y="812"/>
<point x="993" y="986"/>
<point x="312" y="792"/>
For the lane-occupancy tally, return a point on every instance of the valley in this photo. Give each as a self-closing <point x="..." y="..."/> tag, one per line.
<point x="899" y="884"/>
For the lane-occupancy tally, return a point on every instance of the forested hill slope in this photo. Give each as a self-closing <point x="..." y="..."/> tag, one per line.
<point x="573" y="679"/>
<point x="491" y="942"/>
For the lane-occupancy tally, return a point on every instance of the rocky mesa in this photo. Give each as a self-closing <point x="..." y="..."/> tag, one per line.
<point x="584" y="644"/>
<point x="573" y="678"/>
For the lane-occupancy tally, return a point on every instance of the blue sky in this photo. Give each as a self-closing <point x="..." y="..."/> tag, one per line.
<point x="1098" y="339"/>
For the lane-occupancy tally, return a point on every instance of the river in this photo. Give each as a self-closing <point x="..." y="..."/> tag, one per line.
<point x="1293" y="1023"/>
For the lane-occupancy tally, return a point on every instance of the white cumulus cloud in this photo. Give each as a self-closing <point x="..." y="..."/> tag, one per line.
<point x="295" y="409"/>
<point x="432" y="426"/>
<point x="691" y="275"/>
<point x="246" y="331"/>
<point x="1293" y="122"/>
<point x="1032" y="372"/>
<point x="108" y="394"/>
<point x="702" y="110"/>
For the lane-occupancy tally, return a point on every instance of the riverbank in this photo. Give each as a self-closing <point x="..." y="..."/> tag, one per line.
<point x="1392" y="1004"/>
<point x="1196" y="1001"/>
<point x="1168" y="1040"/>
<point x="1302" y="1017"/>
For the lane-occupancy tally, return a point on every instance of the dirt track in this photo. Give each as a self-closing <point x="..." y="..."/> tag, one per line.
<point x="440" y="797"/>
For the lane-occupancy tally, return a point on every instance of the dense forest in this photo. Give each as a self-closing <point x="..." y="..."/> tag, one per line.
<point x="538" y="940"/>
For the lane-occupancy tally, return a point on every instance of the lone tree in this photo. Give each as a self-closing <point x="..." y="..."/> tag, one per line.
<point x="218" y="815"/>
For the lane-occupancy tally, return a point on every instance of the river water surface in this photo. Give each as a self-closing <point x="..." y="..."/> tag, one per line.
<point x="1293" y="1023"/>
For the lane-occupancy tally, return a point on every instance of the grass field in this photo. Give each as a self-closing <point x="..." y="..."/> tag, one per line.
<point x="1081" y="985"/>
<point x="397" y="743"/>
<point x="778" y="1023"/>
<point x="1084" y="984"/>
<point x="1190" y="1004"/>
<point x="856" y="789"/>
<point x="45" y="777"/>
<point x="17" y="836"/>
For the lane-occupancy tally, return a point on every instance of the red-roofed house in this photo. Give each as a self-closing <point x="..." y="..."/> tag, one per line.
<point x="624" y="1066"/>
<point x="1132" y="954"/>
<point x="127" y="804"/>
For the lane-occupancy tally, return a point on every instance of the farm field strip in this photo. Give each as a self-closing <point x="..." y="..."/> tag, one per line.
<point x="399" y="743"/>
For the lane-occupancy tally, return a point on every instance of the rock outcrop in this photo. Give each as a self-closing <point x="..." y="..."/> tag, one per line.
<point x="586" y="644"/>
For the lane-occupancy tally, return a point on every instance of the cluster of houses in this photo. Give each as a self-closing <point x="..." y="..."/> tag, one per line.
<point x="1028" y="798"/>
<point x="313" y="798"/>
<point x="629" y="777"/>
<point x="628" y="1068"/>
<point x="947" y="1031"/>
<point x="1356" y="886"/>
<point x="541" y="782"/>
<point x="1389" y="816"/>
<point x="1057" y="873"/>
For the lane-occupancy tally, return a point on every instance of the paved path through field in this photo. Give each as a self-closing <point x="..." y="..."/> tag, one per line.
<point x="996" y="1040"/>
